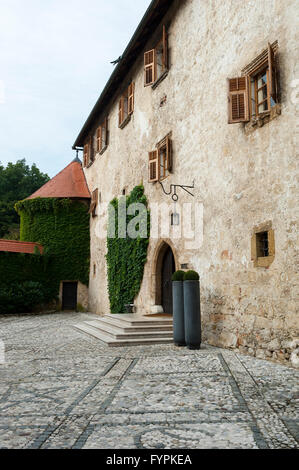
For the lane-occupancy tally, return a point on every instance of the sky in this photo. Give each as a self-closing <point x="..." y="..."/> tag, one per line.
<point x="54" y="63"/>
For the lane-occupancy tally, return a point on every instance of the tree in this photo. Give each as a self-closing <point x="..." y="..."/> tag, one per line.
<point x="17" y="181"/>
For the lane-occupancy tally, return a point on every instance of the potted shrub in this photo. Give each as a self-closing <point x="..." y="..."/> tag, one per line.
<point x="178" y="308"/>
<point x="192" y="310"/>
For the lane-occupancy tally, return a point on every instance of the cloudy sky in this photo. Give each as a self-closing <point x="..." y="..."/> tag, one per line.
<point x="54" y="62"/>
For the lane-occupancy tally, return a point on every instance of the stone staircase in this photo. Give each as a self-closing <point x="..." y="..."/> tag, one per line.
<point x="129" y="329"/>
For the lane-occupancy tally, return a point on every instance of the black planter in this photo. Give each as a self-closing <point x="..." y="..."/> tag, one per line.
<point x="192" y="314"/>
<point x="178" y="313"/>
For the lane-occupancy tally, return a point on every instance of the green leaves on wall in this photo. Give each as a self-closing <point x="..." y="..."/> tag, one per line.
<point x="127" y="256"/>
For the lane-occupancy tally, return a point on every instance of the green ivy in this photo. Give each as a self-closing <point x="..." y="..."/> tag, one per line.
<point x="126" y="257"/>
<point x="62" y="227"/>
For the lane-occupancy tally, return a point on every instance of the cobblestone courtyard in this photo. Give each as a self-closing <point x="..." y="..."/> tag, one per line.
<point x="60" y="388"/>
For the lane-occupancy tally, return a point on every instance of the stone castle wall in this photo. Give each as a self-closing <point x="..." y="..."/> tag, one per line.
<point x="244" y="177"/>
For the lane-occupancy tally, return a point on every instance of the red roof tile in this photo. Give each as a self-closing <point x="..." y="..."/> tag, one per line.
<point x="70" y="182"/>
<point x="19" y="247"/>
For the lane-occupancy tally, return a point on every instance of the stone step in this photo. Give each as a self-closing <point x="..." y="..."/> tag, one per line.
<point x="126" y="328"/>
<point x="134" y="320"/>
<point x="119" y="333"/>
<point x="110" y="342"/>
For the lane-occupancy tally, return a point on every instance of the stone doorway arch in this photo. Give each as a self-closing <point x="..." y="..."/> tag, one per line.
<point x="164" y="264"/>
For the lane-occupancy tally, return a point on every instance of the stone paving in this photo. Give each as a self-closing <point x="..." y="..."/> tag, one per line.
<point x="60" y="388"/>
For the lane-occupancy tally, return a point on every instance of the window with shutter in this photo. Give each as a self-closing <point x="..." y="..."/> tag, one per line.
<point x="257" y="88"/>
<point x="102" y="136"/>
<point x="121" y="111"/>
<point x="238" y="100"/>
<point x="126" y="106"/>
<point x="160" y="160"/>
<point x="153" y="166"/>
<point x="149" y="67"/>
<point x="156" y="61"/>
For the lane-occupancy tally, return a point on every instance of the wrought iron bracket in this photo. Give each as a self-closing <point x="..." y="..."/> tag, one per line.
<point x="173" y="190"/>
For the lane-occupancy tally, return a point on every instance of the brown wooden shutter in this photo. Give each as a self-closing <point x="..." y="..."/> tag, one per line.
<point x="272" y="73"/>
<point x="121" y="111"/>
<point x="165" y="49"/>
<point x="238" y="100"/>
<point x="85" y="155"/>
<point x="94" y="202"/>
<point x="99" y="139"/>
<point x="153" y="166"/>
<point x="106" y="132"/>
<point x="131" y="98"/>
<point x="168" y="154"/>
<point x="91" y="149"/>
<point x="150" y="67"/>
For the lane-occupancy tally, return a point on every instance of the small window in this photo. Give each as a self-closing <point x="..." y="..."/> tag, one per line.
<point x="156" y="61"/>
<point x="126" y="105"/>
<point x="263" y="248"/>
<point x="94" y="202"/>
<point x="94" y="269"/>
<point x="160" y="160"/>
<point x="102" y="136"/>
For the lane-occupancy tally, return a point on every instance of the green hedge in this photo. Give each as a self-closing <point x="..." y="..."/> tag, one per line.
<point x="126" y="257"/>
<point x="62" y="226"/>
<point x="22" y="297"/>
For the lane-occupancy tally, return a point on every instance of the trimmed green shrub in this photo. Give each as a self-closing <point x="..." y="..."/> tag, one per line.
<point x="191" y="276"/>
<point x="178" y="276"/>
<point x="126" y="256"/>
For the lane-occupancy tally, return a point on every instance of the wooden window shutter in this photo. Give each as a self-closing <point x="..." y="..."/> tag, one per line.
<point x="85" y="155"/>
<point x="131" y="98"/>
<point x="168" y="154"/>
<point x="99" y="139"/>
<point x="272" y="73"/>
<point x="105" y="136"/>
<point x="150" y="71"/>
<point x="121" y="111"/>
<point x="91" y="149"/>
<point x="94" y="202"/>
<point x="238" y="100"/>
<point x="153" y="167"/>
<point x="165" y="49"/>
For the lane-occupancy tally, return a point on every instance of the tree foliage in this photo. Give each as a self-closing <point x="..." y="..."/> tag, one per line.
<point x="17" y="181"/>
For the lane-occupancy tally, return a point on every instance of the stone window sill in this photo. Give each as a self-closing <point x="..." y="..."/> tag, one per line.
<point x="160" y="79"/>
<point x="263" y="262"/>
<point x="262" y="119"/>
<point x="125" y="122"/>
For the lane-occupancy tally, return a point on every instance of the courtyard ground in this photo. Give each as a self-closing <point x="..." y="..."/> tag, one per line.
<point x="60" y="388"/>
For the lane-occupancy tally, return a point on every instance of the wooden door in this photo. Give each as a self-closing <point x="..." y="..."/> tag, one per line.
<point x="69" y="295"/>
<point x="168" y="268"/>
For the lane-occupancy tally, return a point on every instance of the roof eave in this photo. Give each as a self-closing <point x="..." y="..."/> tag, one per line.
<point x="125" y="62"/>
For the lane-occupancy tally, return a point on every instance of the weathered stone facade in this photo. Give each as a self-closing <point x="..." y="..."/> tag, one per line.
<point x="245" y="176"/>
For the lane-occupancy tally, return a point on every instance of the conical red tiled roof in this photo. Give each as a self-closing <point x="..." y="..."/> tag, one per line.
<point x="70" y="182"/>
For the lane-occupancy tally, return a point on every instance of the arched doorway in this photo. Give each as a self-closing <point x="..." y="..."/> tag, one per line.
<point x="168" y="268"/>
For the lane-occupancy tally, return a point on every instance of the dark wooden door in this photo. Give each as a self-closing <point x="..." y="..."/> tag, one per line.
<point x="168" y="268"/>
<point x="69" y="296"/>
